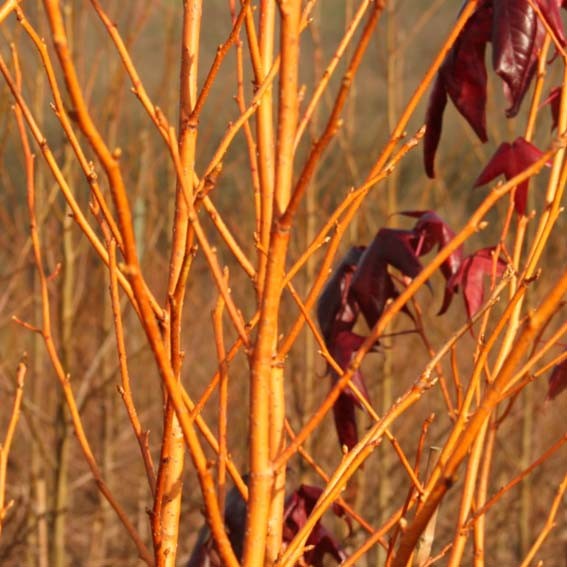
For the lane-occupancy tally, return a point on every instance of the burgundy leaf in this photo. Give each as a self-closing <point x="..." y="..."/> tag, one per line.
<point x="298" y="507"/>
<point x="345" y="421"/>
<point x="557" y="380"/>
<point x="342" y="349"/>
<point x="470" y="277"/>
<point x="372" y="286"/>
<point x="431" y="230"/>
<point x="464" y="70"/>
<point x="434" y="122"/>
<point x="550" y="12"/>
<point x="463" y="77"/>
<point x="510" y="160"/>
<point x="323" y="543"/>
<point x="517" y="36"/>
<point x="554" y="100"/>
<point x="334" y="312"/>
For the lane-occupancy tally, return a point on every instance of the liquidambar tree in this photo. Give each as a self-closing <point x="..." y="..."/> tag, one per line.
<point x="230" y="233"/>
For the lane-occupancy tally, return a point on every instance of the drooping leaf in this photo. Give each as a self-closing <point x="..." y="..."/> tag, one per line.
<point x="371" y="285"/>
<point x="550" y="10"/>
<point x="557" y="380"/>
<point x="554" y="100"/>
<point x="470" y="278"/>
<point x="434" y="124"/>
<point x="431" y="230"/>
<point x="464" y="70"/>
<point x="342" y="349"/>
<point x="345" y="421"/>
<point x="463" y="77"/>
<point x="321" y="541"/>
<point x="298" y="506"/>
<point x="334" y="312"/>
<point x="510" y="160"/>
<point x="517" y="37"/>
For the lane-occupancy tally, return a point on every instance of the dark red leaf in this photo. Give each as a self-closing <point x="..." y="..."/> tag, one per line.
<point x="371" y="285"/>
<point x="334" y="312"/>
<point x="434" y="124"/>
<point x="298" y="507"/>
<point x="552" y="15"/>
<point x="323" y="543"/>
<point x="463" y="77"/>
<point x="431" y="230"/>
<point x="554" y="100"/>
<point x="517" y="36"/>
<point x="510" y="160"/>
<point x="470" y="278"/>
<point x="464" y="70"/>
<point x="342" y="349"/>
<point x="557" y="380"/>
<point x="345" y="421"/>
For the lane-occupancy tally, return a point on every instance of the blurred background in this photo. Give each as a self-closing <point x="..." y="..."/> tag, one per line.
<point x="47" y="476"/>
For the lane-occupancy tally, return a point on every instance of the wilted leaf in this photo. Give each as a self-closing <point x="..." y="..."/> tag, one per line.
<point x="510" y="160"/>
<point x="470" y="278"/>
<point x="557" y="380"/>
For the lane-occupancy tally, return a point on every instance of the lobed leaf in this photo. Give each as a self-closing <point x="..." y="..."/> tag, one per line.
<point x="371" y="285"/>
<point x="510" y="160"/>
<point x="470" y="278"/>
<point x="431" y="230"/>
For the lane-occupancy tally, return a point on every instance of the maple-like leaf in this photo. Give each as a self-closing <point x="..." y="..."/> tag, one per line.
<point x="430" y="231"/>
<point x="510" y="160"/>
<point x="362" y="284"/>
<point x="470" y="278"/>
<point x="557" y="380"/>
